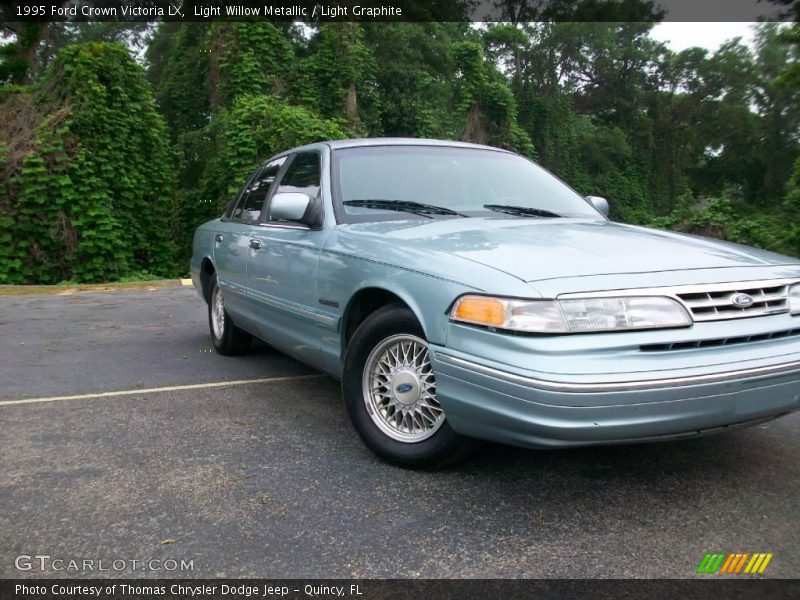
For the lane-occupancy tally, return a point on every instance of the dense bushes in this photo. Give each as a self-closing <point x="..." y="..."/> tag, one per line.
<point x="89" y="189"/>
<point x="108" y="167"/>
<point x="730" y="219"/>
<point x="238" y="138"/>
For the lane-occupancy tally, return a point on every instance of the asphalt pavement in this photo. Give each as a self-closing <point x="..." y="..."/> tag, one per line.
<point x="268" y="479"/>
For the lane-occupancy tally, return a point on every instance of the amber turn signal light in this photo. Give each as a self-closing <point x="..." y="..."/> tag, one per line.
<point x="481" y="310"/>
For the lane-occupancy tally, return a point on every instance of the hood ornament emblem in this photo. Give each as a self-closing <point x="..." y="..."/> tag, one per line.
<point x="742" y="300"/>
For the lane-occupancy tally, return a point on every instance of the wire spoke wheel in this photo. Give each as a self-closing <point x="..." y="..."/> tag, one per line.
<point x="400" y="389"/>
<point x="217" y="313"/>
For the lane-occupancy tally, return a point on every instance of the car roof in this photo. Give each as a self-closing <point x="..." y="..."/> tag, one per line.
<point x="394" y="141"/>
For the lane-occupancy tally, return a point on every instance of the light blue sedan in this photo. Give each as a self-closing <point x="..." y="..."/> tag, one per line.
<point x="461" y="291"/>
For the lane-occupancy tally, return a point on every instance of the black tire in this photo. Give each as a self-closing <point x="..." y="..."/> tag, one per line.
<point x="231" y="340"/>
<point x="443" y="448"/>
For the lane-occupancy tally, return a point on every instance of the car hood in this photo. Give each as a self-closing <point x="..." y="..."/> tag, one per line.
<point x="540" y="249"/>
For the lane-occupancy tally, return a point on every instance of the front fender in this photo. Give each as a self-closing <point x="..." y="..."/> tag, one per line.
<point x="341" y="278"/>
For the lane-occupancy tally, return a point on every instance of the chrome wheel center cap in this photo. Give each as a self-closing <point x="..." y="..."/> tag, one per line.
<point x="405" y="387"/>
<point x="400" y="389"/>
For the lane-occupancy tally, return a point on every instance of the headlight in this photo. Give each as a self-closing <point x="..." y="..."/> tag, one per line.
<point x="575" y="315"/>
<point x="794" y="299"/>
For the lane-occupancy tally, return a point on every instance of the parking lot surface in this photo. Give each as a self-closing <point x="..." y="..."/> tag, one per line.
<point x="267" y="479"/>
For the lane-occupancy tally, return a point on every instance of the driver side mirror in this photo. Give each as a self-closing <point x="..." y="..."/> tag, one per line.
<point x="600" y="204"/>
<point x="296" y="207"/>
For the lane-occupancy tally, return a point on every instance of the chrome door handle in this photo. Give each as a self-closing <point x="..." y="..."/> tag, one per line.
<point x="218" y="238"/>
<point x="255" y="244"/>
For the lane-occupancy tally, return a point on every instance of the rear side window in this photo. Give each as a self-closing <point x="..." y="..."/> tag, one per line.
<point x="231" y="206"/>
<point x="249" y="208"/>
<point x="228" y="209"/>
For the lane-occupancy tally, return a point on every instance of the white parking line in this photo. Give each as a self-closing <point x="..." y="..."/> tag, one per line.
<point x="173" y="388"/>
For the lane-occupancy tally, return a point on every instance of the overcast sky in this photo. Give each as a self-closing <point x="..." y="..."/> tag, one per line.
<point x="679" y="36"/>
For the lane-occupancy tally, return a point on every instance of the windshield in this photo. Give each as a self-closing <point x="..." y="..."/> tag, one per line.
<point x="379" y="183"/>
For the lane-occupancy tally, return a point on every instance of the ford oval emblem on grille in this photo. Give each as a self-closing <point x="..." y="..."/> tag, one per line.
<point x="742" y="300"/>
<point x="404" y="388"/>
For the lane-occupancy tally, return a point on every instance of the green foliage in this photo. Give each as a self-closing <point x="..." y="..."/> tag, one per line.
<point x="730" y="219"/>
<point x="11" y="251"/>
<point x="245" y="135"/>
<point x="18" y="54"/>
<point x="249" y="58"/>
<point x="179" y="71"/>
<point x="791" y="209"/>
<point x="91" y="188"/>
<point x="336" y="77"/>
<point x="135" y="276"/>
<point x="485" y="102"/>
<point x="27" y="48"/>
<point x="790" y="37"/>
<point x="693" y="141"/>
<point x="413" y="77"/>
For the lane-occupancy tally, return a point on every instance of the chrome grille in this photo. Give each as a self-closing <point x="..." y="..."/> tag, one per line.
<point x="715" y="303"/>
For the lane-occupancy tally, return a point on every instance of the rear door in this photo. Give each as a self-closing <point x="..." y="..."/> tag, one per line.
<point x="231" y="237"/>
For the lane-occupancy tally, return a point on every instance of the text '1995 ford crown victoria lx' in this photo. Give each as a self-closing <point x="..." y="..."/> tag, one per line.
<point x="461" y="291"/>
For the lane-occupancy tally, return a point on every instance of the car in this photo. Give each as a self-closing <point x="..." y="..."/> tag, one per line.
<point x="462" y="292"/>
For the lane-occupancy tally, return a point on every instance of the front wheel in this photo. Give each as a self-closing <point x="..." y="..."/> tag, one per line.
<point x="389" y="391"/>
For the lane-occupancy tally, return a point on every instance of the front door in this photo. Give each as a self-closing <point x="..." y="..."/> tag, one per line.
<point x="282" y="269"/>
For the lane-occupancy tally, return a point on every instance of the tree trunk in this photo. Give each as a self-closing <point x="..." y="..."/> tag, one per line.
<point x="215" y="99"/>
<point x="350" y="107"/>
<point x="351" y="103"/>
<point x="474" y="131"/>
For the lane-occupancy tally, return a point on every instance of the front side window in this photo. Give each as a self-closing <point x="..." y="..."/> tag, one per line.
<point x="302" y="175"/>
<point x="249" y="208"/>
<point x="469" y="182"/>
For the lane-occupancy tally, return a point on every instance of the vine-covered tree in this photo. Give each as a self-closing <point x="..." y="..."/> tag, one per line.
<point x="88" y="173"/>
<point x="245" y="135"/>
<point x="697" y="140"/>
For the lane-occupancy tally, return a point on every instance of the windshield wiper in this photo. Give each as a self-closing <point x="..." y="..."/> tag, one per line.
<point x="418" y="208"/>
<point x="523" y="211"/>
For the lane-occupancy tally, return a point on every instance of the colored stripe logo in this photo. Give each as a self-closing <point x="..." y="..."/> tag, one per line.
<point x="741" y="562"/>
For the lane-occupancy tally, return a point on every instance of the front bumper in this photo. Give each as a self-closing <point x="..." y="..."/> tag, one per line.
<point x="514" y="404"/>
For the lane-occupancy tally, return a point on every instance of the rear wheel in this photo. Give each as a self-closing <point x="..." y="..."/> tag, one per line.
<point x="226" y="337"/>
<point x="389" y="390"/>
